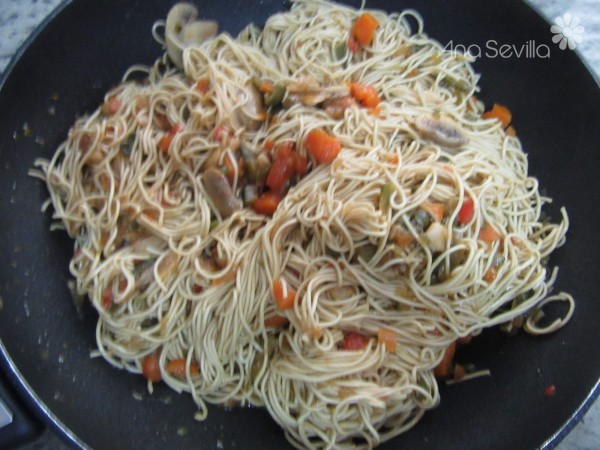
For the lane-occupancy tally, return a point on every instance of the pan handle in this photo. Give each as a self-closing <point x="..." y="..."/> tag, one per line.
<point x="19" y="426"/>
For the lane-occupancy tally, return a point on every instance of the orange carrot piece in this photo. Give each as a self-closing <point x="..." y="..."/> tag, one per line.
<point x="176" y="367"/>
<point x="443" y="368"/>
<point x="283" y="301"/>
<point x="203" y="85"/>
<point x="403" y="239"/>
<point x="499" y="112"/>
<point x="151" y="367"/>
<point x="436" y="210"/>
<point x="364" y="28"/>
<point x="267" y="203"/>
<point x="490" y="274"/>
<point x="323" y="147"/>
<point x="276" y="321"/>
<point x="488" y="234"/>
<point x="365" y="94"/>
<point x="388" y="338"/>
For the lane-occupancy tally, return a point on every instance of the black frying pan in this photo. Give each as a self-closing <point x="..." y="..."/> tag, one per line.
<point x="85" y="49"/>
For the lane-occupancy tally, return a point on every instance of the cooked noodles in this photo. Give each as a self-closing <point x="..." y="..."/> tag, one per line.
<point x="334" y="312"/>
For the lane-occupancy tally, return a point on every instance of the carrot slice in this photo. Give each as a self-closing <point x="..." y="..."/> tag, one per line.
<point x="443" y="368"/>
<point x="267" y="203"/>
<point x="364" y="28"/>
<point x="151" y="367"/>
<point x="388" y="338"/>
<point x="284" y="300"/>
<point x="499" y="112"/>
<point x="436" y="210"/>
<point x="176" y="367"/>
<point x="365" y="94"/>
<point x="488" y="234"/>
<point x="276" y="321"/>
<point x="323" y="147"/>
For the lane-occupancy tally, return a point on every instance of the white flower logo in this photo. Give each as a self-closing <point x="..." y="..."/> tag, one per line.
<point x="567" y="31"/>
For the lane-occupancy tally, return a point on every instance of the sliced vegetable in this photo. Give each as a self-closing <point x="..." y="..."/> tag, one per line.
<point x="182" y="30"/>
<point x="267" y="203"/>
<point x="466" y="212"/>
<point x="283" y="297"/>
<point x="400" y="237"/>
<point x="385" y="196"/>
<point x="499" y="112"/>
<point x="488" y="234"/>
<point x="490" y="274"/>
<point x="176" y="367"/>
<point x="442" y="370"/>
<point x="388" y="338"/>
<point x="440" y="131"/>
<point x="366" y="252"/>
<point x="165" y="142"/>
<point x="300" y="165"/>
<point x="435" y="210"/>
<point x="422" y="219"/>
<point x="151" y="367"/>
<point x="340" y="50"/>
<point x="323" y="147"/>
<point x="365" y="94"/>
<point x="276" y="321"/>
<point x="275" y="96"/>
<point x="283" y="169"/>
<point x="364" y="28"/>
<point x="436" y="236"/>
<point x="355" y="341"/>
<point x="218" y="189"/>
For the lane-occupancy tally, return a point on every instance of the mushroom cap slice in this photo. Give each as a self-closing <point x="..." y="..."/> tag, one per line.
<point x="183" y="30"/>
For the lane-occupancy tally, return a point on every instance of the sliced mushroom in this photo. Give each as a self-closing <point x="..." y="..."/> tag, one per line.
<point x="310" y="93"/>
<point x="441" y="131"/>
<point x="251" y="113"/>
<point x="183" y="30"/>
<point x="220" y="193"/>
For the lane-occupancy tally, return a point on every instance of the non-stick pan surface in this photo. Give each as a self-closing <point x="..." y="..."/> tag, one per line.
<point x="84" y="51"/>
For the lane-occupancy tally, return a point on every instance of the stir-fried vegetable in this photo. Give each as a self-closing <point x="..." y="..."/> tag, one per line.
<point x="365" y="94"/>
<point x="323" y="147"/>
<point x="388" y="338"/>
<point x="176" y="367"/>
<point x="284" y="295"/>
<point x="499" y="112"/>
<point x="364" y="28"/>
<point x="151" y="367"/>
<point x="354" y="341"/>
<point x="466" y="212"/>
<point x="267" y="203"/>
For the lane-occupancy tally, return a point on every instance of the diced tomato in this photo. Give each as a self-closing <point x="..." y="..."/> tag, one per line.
<point x="281" y="172"/>
<point x="300" y="165"/>
<point x="267" y="203"/>
<point x="166" y="140"/>
<point x="355" y="341"/>
<point x="465" y="214"/>
<point x="500" y="113"/>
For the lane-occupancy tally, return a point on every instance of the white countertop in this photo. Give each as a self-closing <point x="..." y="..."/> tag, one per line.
<point x="19" y="18"/>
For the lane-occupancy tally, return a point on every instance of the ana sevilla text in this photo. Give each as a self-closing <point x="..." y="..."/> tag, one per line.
<point x="494" y="49"/>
